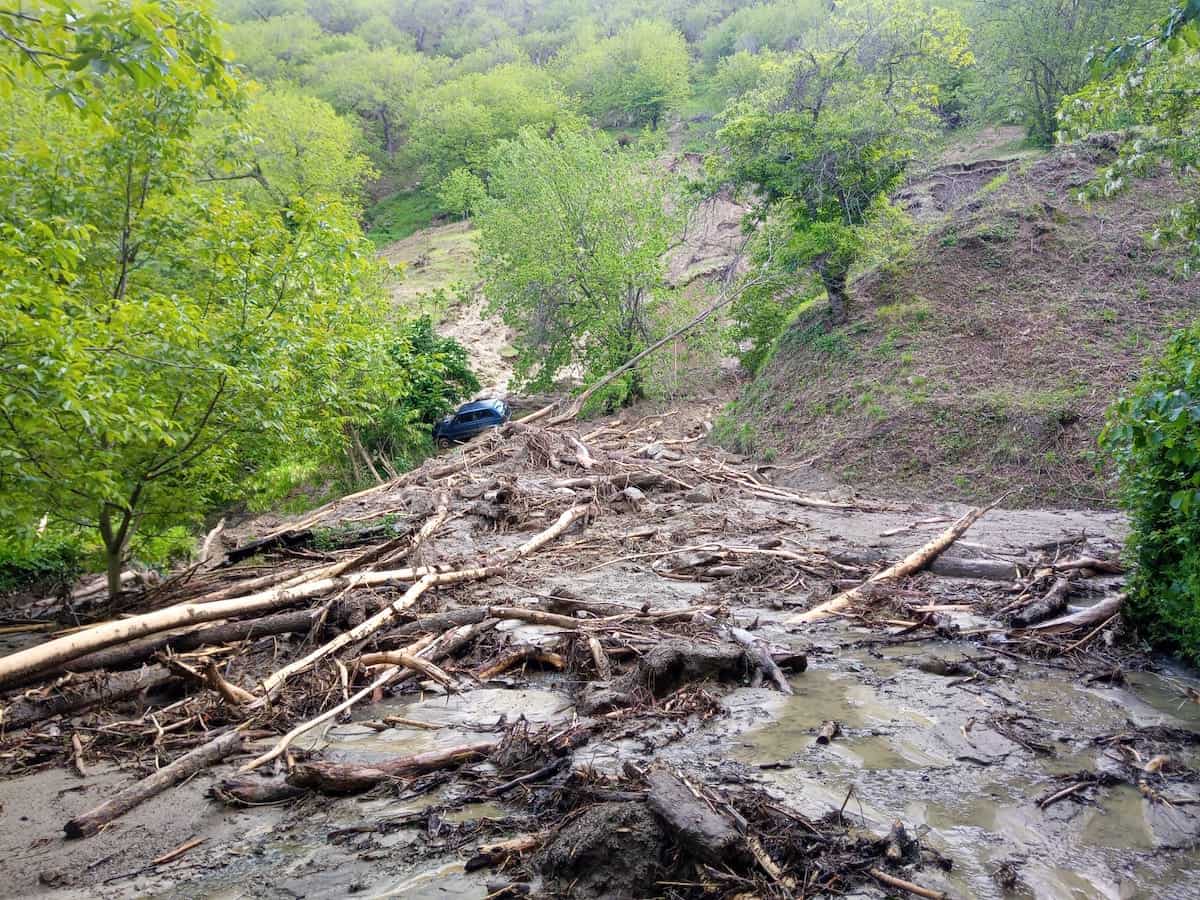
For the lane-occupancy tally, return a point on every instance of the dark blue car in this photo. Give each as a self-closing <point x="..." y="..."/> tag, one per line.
<point x="470" y="420"/>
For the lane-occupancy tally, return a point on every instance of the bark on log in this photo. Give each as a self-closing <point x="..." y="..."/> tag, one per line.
<point x="438" y="623"/>
<point x="73" y="698"/>
<point x="24" y="663"/>
<point x="255" y="791"/>
<point x="1089" y="615"/>
<point x="187" y="765"/>
<point x="701" y="831"/>
<point x="914" y="562"/>
<point x="348" y="778"/>
<point x="1053" y="603"/>
<point x="186" y="641"/>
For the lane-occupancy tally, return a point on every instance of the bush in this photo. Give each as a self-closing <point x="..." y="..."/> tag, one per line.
<point x="44" y="565"/>
<point x="1154" y="437"/>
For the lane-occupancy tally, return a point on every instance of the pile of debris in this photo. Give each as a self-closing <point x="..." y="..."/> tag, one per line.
<point x="244" y="654"/>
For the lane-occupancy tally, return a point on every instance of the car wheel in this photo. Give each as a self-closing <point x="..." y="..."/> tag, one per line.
<point x="444" y="443"/>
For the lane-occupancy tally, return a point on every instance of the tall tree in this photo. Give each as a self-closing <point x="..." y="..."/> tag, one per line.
<point x="835" y="125"/>
<point x="632" y="78"/>
<point x="571" y="251"/>
<point x="173" y="312"/>
<point x="1033" y="53"/>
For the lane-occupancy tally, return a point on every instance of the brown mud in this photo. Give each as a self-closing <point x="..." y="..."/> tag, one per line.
<point x="1031" y="764"/>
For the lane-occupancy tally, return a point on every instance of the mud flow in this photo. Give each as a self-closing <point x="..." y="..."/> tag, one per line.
<point x="608" y="660"/>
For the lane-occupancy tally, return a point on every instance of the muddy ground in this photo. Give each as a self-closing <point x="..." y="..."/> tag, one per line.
<point x="966" y="762"/>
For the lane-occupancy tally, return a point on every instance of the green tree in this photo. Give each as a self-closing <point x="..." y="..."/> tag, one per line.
<point x="1154" y="437"/>
<point x="1033" y="53"/>
<point x="385" y="88"/>
<point x="167" y="324"/>
<point x="1147" y="87"/>
<point x="632" y="78"/>
<point x="462" y="120"/>
<point x="441" y="378"/>
<point x="1148" y="84"/>
<point x="571" y="249"/>
<point x="461" y="192"/>
<point x="835" y="125"/>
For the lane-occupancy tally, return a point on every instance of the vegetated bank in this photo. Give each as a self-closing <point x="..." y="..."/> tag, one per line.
<point x="984" y="360"/>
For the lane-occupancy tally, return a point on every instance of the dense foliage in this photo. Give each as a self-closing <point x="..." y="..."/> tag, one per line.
<point x="833" y="127"/>
<point x="186" y="298"/>
<point x="1154" y="436"/>
<point x="1151" y="84"/>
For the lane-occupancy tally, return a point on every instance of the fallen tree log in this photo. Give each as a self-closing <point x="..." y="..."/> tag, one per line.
<point x="760" y="654"/>
<point x="914" y="562"/>
<point x="71" y="697"/>
<point x="187" y="765"/>
<point x="349" y="778"/>
<point x="19" y="665"/>
<point x="135" y="652"/>
<point x="255" y="791"/>
<point x="1089" y="615"/>
<point x="702" y="832"/>
<point x="1051" y="604"/>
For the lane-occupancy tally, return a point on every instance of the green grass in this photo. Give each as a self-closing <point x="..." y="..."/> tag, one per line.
<point x="400" y="215"/>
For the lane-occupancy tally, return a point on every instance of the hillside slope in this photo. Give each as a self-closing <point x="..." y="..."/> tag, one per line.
<point x="982" y="363"/>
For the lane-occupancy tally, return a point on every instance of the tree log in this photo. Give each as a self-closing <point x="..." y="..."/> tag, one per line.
<point x="914" y="562"/>
<point x="1053" y="603"/>
<point x="255" y="791"/>
<point x="701" y="831"/>
<point x="72" y="697"/>
<point x="1089" y="615"/>
<point x="760" y="656"/>
<point x="193" y="639"/>
<point x="17" y="666"/>
<point x="349" y="778"/>
<point x="187" y="765"/>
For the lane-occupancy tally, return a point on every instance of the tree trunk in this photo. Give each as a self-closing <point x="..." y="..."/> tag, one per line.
<point x="835" y="288"/>
<point x="115" y="542"/>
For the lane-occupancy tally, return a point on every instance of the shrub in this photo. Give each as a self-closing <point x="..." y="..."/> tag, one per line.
<point x="46" y="565"/>
<point x="1154" y="437"/>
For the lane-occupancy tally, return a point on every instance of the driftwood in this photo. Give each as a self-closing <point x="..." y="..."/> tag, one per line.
<point x="187" y="765"/>
<point x="349" y="778"/>
<point x="828" y="731"/>
<point x="912" y="563"/>
<point x="72" y="697"/>
<point x="490" y="855"/>
<point x="760" y="655"/>
<point x="701" y="831"/>
<point x="253" y="791"/>
<point x="1089" y="615"/>
<point x="1051" y="604"/>
<point x="519" y="657"/>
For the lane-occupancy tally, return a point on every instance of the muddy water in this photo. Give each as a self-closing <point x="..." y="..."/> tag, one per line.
<point x="917" y="747"/>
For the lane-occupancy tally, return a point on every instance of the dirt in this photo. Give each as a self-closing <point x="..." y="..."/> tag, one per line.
<point x="612" y="850"/>
<point x="982" y="364"/>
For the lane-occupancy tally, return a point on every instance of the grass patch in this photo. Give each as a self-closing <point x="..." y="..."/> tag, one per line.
<point x="400" y="215"/>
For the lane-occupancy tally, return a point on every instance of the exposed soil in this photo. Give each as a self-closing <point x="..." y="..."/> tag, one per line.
<point x="967" y="750"/>
<point x="984" y="362"/>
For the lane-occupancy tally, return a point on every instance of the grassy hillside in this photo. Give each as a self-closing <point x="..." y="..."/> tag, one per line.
<point x="983" y="362"/>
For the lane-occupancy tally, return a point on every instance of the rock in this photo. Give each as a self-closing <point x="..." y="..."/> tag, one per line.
<point x="705" y="493"/>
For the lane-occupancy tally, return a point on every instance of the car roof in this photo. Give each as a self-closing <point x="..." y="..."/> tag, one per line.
<point x="479" y="405"/>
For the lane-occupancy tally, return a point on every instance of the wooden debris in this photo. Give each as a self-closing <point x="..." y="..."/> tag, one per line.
<point x="189" y="764"/>
<point x="912" y="563"/>
<point x="349" y="778"/>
